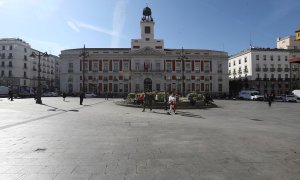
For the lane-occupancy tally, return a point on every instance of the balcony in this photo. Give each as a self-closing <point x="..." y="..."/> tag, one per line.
<point x="70" y="70"/>
<point x="294" y="69"/>
<point x="279" y="79"/>
<point x="272" y="69"/>
<point x="272" y="79"/>
<point x="279" y="69"/>
<point x="10" y="57"/>
<point x="188" y="71"/>
<point x="258" y="79"/>
<point x="287" y="79"/>
<point x="258" y="69"/>
<point x="266" y="79"/>
<point x="197" y="71"/>
<point x="286" y="69"/>
<point x="265" y="69"/>
<point x="10" y="66"/>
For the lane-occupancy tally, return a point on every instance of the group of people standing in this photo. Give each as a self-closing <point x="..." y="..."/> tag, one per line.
<point x="148" y="99"/>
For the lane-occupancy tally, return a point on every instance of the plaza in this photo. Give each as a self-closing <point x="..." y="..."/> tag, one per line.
<point x="101" y="140"/>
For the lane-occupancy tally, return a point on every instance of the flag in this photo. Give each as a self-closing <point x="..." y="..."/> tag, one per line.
<point x="145" y="67"/>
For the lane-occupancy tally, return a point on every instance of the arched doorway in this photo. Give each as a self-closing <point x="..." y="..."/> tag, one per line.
<point x="147" y="85"/>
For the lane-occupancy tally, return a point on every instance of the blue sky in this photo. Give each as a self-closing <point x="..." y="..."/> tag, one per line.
<point x="55" y="25"/>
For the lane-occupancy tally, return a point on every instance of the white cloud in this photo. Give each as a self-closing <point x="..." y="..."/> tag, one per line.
<point x="73" y="26"/>
<point x="118" y="21"/>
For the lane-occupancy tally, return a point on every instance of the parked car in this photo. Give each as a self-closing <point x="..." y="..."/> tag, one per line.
<point x="50" y="94"/>
<point x="251" y="95"/>
<point x="90" y="95"/>
<point x="289" y="98"/>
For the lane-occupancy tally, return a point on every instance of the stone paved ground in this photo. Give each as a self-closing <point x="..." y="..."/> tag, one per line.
<point x="59" y="140"/>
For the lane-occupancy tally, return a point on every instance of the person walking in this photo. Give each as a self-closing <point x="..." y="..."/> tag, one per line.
<point x="144" y="99"/>
<point x="64" y="96"/>
<point x="81" y="96"/>
<point x="11" y="95"/>
<point x="172" y="103"/>
<point x="270" y="99"/>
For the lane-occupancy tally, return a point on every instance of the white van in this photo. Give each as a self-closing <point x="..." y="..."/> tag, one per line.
<point x="250" y="95"/>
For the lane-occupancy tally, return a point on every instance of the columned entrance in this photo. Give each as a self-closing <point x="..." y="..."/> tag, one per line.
<point x="147" y="85"/>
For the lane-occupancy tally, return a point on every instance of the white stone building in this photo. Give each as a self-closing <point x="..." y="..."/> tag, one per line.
<point x="146" y="66"/>
<point x="20" y="71"/>
<point x="263" y="69"/>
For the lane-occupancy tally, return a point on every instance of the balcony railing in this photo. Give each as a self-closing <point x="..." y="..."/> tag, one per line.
<point x="258" y="79"/>
<point x="279" y="69"/>
<point x="286" y="69"/>
<point x="265" y="69"/>
<point x="279" y="79"/>
<point x="258" y="69"/>
<point x="272" y="69"/>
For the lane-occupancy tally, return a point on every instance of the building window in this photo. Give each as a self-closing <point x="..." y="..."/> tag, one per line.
<point x="9" y="64"/>
<point x="188" y="66"/>
<point x="105" y="67"/>
<point x="125" y="87"/>
<point x="220" y="87"/>
<point x="126" y="68"/>
<point x="2" y="73"/>
<point x="3" y="64"/>
<point x="147" y="30"/>
<point x="257" y="57"/>
<point x="116" y="67"/>
<point x="157" y="87"/>
<point x="271" y="57"/>
<point x="229" y="64"/>
<point x="279" y="58"/>
<point x="239" y="61"/>
<point x="10" y="73"/>
<point x="157" y="66"/>
<point x="206" y="67"/>
<point x="233" y="63"/>
<point x="265" y="57"/>
<point x="25" y="50"/>
<point x="197" y="68"/>
<point x="3" y="47"/>
<point x="245" y="59"/>
<point x="285" y="58"/>
<point x="115" y="88"/>
<point x="24" y="82"/>
<point x="178" y="67"/>
<point x="95" y="67"/>
<point x="70" y="67"/>
<point x="169" y="67"/>
<point x="25" y="66"/>
<point x="137" y="66"/>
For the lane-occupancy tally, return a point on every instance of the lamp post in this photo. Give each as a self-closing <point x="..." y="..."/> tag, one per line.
<point x="39" y="91"/>
<point x="182" y="57"/>
<point x="83" y="54"/>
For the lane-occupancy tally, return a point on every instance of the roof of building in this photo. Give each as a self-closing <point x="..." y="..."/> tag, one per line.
<point x="294" y="60"/>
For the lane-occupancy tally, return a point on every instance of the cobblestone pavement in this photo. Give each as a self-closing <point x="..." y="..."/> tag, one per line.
<point x="60" y="140"/>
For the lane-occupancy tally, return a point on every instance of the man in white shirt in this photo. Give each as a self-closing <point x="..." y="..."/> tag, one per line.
<point x="172" y="103"/>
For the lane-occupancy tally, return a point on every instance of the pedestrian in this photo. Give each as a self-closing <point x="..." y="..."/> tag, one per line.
<point x="81" y="96"/>
<point x="270" y="99"/>
<point x="106" y="95"/>
<point x="144" y="99"/>
<point x="64" y="96"/>
<point x="150" y="101"/>
<point x="172" y="103"/>
<point x="11" y="95"/>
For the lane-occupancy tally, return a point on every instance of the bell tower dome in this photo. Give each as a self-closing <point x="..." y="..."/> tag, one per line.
<point x="147" y="25"/>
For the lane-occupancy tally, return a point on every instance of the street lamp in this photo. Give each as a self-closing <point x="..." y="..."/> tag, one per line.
<point x="33" y="55"/>
<point x="182" y="57"/>
<point x="83" y="54"/>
